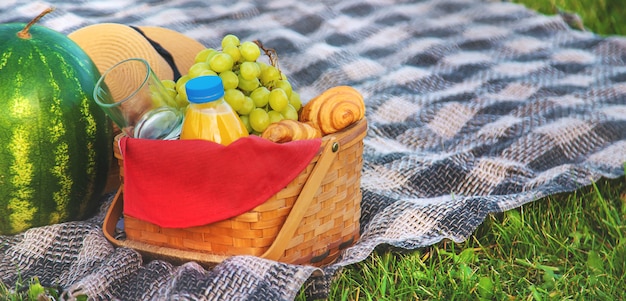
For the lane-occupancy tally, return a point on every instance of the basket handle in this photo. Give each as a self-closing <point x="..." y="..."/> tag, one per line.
<point x="293" y="220"/>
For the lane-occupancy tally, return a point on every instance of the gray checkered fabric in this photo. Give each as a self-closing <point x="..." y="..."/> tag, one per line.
<point x="473" y="108"/>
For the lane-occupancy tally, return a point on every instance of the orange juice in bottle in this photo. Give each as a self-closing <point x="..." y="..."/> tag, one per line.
<point x="208" y="116"/>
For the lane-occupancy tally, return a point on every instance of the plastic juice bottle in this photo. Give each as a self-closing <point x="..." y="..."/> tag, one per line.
<point x="208" y="116"/>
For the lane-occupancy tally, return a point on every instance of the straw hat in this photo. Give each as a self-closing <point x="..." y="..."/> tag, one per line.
<point x="110" y="43"/>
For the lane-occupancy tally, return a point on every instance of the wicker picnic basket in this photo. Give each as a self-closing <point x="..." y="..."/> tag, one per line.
<point x="308" y="222"/>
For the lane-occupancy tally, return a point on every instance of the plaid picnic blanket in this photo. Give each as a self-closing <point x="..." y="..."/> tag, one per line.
<point x="473" y="108"/>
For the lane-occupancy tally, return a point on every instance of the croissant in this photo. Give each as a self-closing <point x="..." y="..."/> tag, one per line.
<point x="290" y="130"/>
<point x="334" y="109"/>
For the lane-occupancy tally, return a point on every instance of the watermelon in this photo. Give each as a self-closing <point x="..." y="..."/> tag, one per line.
<point x="56" y="142"/>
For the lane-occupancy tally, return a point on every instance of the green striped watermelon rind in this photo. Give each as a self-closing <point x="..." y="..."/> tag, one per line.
<point x="57" y="152"/>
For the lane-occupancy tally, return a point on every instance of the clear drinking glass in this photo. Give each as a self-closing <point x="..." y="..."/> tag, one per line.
<point x="133" y="96"/>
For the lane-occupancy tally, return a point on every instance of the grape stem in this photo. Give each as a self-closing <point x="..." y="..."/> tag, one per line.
<point x="270" y="52"/>
<point x="24" y="34"/>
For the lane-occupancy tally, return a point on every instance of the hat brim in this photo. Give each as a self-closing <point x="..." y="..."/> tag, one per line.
<point x="109" y="43"/>
<point x="183" y="48"/>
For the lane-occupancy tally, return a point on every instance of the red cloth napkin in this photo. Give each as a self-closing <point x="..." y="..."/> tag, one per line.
<point x="186" y="183"/>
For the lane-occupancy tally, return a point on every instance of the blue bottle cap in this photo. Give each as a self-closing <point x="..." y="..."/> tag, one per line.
<point x="204" y="89"/>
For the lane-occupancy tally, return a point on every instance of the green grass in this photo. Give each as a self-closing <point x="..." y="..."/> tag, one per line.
<point x="28" y="290"/>
<point x="605" y="17"/>
<point x="563" y="247"/>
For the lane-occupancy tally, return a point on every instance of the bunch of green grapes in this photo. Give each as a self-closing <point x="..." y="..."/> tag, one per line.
<point x="259" y="92"/>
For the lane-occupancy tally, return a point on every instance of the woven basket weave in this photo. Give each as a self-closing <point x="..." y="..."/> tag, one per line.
<point x="308" y="222"/>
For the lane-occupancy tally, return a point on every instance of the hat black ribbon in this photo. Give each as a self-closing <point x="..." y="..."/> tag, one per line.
<point x="166" y="55"/>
